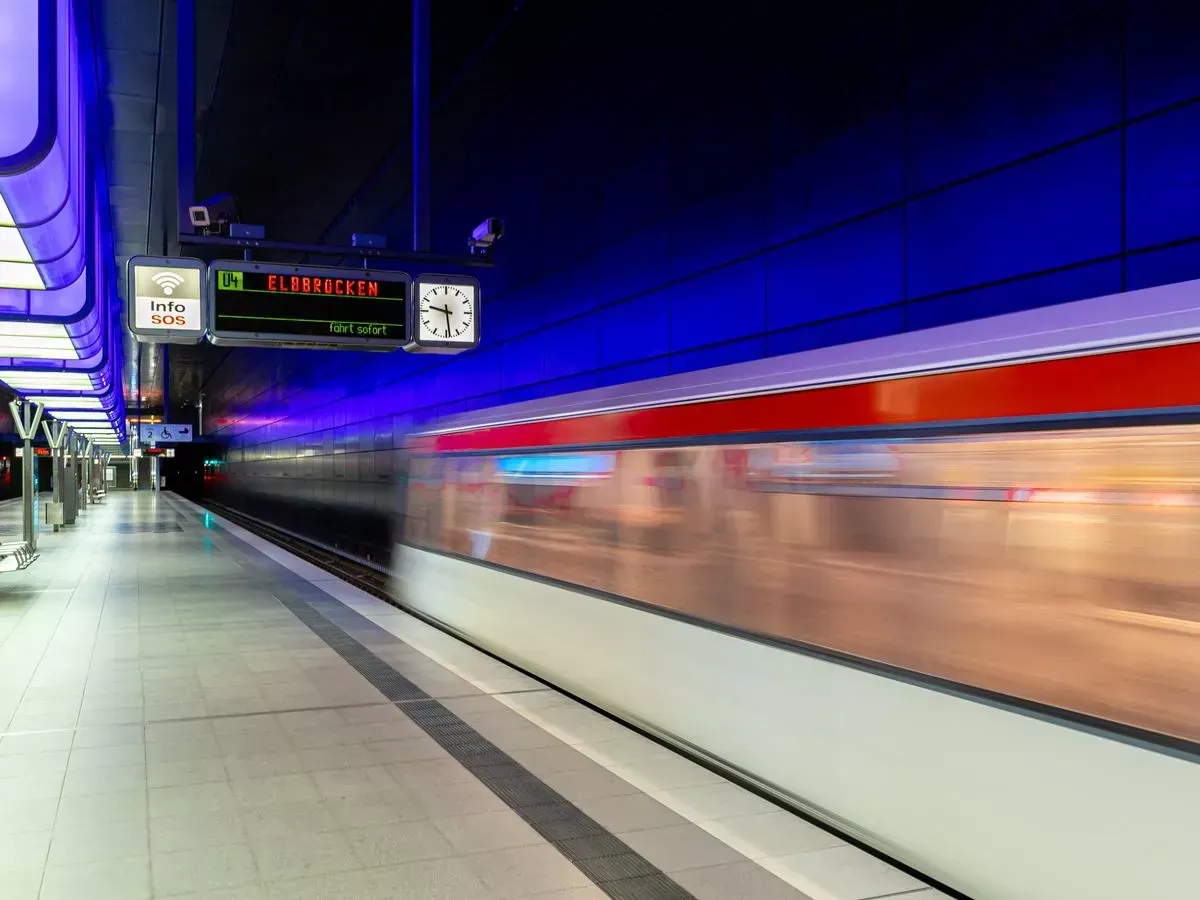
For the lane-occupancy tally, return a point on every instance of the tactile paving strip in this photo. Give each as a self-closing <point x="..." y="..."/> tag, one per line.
<point x="612" y="865"/>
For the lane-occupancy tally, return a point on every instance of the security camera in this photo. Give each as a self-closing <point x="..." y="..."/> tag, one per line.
<point x="214" y="216"/>
<point x="486" y="234"/>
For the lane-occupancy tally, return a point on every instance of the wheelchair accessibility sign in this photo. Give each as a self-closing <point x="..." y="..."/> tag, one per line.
<point x="165" y="434"/>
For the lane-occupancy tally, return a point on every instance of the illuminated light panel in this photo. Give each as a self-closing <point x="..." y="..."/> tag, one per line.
<point x="55" y="404"/>
<point x="32" y="380"/>
<point x="22" y="276"/>
<point x="36" y="340"/>
<point x="12" y="245"/>
<point x="24" y="88"/>
<point x="78" y="416"/>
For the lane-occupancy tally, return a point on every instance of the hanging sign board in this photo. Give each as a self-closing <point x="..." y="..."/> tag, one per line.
<point x="165" y="434"/>
<point x="164" y="299"/>
<point x="275" y="305"/>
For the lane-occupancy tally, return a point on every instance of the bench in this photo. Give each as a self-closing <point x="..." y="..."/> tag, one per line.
<point x="15" y="555"/>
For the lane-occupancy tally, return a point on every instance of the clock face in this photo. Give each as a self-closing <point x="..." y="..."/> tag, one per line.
<point x="447" y="313"/>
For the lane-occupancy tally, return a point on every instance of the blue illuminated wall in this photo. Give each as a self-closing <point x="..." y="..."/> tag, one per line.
<point x="683" y="194"/>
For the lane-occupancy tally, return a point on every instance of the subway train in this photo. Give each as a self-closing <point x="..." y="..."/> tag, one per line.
<point x="938" y="590"/>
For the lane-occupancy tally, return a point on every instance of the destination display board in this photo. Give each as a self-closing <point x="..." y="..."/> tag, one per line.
<point x="276" y="305"/>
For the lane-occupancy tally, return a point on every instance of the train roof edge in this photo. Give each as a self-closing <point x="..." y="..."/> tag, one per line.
<point x="1129" y="320"/>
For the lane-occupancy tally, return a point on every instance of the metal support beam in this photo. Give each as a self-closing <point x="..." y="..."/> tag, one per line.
<point x="460" y="261"/>
<point x="420" y="125"/>
<point x="185" y="110"/>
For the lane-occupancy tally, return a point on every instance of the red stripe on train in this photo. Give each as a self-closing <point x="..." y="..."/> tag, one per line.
<point x="1155" y="378"/>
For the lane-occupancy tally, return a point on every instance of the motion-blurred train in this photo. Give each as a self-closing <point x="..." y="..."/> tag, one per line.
<point x="940" y="590"/>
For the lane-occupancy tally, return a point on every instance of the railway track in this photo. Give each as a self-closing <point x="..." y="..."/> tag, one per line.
<point x="362" y="574"/>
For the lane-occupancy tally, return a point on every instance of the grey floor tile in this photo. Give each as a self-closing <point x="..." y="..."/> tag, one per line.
<point x="679" y="847"/>
<point x="445" y="800"/>
<point x="203" y="746"/>
<point x="109" y="735"/>
<point x="77" y="844"/>
<point x="303" y="855"/>
<point x="28" y="815"/>
<point x="633" y="812"/>
<point x="191" y="799"/>
<point x="29" y="787"/>
<point x="169" y="834"/>
<point x="178" y="731"/>
<point x="398" y="842"/>
<point x="736" y="881"/>
<point x="377" y="809"/>
<point x="16" y="765"/>
<point x="274" y="789"/>
<point x="23" y="850"/>
<point x="720" y="801"/>
<point x="430" y="772"/>
<point x="21" y="884"/>
<point x="185" y="772"/>
<point x="850" y="873"/>
<point x="523" y="871"/>
<point x="110" y="879"/>
<point x="100" y="809"/>
<point x="43" y="742"/>
<point x="338" y="783"/>
<point x="263" y="765"/>
<point x="337" y="756"/>
<point x="244" y="892"/>
<point x="107" y="780"/>
<point x="666" y="772"/>
<point x="588" y="783"/>
<point x="403" y="750"/>
<point x="281" y="820"/>
<point x="203" y="869"/>
<point x="543" y="761"/>
<point x="778" y="834"/>
<point x="482" y="832"/>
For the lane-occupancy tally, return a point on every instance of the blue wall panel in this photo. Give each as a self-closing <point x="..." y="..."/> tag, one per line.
<point x="1161" y="54"/>
<point x="1094" y="280"/>
<point x="718" y="306"/>
<point x="634" y="329"/>
<point x="845" y="270"/>
<point x="893" y="166"/>
<point x="1067" y="86"/>
<point x="1163" y="180"/>
<point x="1049" y="211"/>
<point x="853" y="173"/>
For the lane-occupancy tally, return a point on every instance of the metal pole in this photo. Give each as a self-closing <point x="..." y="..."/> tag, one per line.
<point x="185" y="111"/>
<point x="28" y="526"/>
<point x="26" y="418"/>
<point x="420" y="128"/>
<point x="54" y="437"/>
<point x="74" y="485"/>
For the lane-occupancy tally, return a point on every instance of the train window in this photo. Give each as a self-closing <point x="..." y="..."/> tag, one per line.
<point x="1054" y="566"/>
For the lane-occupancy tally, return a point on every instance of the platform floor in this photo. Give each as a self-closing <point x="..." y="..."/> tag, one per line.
<point x="189" y="711"/>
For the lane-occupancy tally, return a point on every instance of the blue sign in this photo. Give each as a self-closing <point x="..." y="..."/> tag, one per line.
<point x="165" y="434"/>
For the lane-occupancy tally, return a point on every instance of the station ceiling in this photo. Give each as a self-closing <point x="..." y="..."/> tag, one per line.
<point x="299" y="105"/>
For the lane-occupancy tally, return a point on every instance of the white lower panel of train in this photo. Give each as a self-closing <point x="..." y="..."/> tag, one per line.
<point x="997" y="804"/>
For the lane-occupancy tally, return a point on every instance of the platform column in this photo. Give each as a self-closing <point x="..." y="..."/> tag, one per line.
<point x="27" y="416"/>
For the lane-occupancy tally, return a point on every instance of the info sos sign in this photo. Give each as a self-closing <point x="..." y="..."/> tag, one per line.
<point x="164" y="299"/>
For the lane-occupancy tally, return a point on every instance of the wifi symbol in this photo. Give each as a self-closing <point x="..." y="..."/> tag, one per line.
<point x="167" y="282"/>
